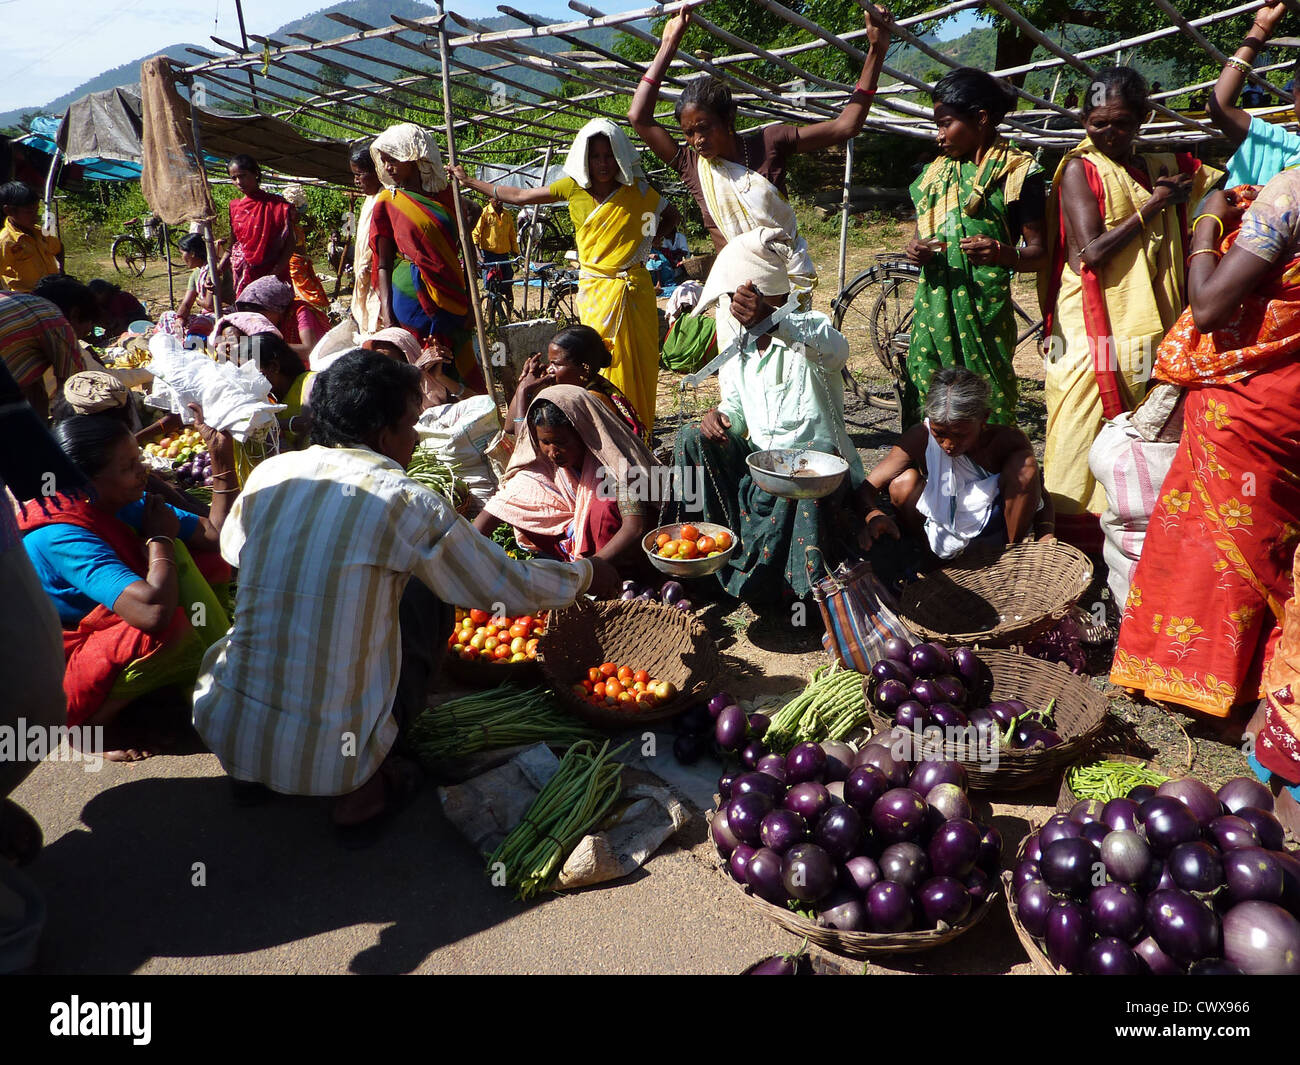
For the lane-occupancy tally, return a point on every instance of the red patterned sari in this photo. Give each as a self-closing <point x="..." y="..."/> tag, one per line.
<point x="259" y="223"/>
<point x="1206" y="604"/>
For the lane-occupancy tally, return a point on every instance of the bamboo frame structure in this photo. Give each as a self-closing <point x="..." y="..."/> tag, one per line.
<point x="539" y="116"/>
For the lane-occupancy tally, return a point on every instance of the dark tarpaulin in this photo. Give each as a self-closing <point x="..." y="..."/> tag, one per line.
<point x="108" y="125"/>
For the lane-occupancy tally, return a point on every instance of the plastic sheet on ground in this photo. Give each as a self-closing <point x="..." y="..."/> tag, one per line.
<point x="486" y="808"/>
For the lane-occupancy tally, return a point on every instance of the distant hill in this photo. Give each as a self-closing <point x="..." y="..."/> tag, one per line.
<point x="373" y="12"/>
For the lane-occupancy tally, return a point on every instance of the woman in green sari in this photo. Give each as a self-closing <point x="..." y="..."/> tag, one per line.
<point x="973" y="205"/>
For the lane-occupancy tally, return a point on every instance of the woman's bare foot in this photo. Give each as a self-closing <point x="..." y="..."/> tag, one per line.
<point x="128" y="754"/>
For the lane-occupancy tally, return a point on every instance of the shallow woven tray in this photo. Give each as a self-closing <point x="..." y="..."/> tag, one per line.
<point x="1037" y="956"/>
<point x="1080" y="715"/>
<point x="858" y="944"/>
<point x="995" y="598"/>
<point x="668" y="643"/>
<point x="1066" y="798"/>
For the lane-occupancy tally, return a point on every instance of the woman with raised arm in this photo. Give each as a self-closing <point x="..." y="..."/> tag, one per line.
<point x="1262" y="149"/>
<point x="616" y="214"/>
<point x="1117" y="232"/>
<point x="1205" y="607"/>
<point x="738" y="179"/>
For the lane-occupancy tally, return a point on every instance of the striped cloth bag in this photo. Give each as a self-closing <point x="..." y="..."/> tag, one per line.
<point x="859" y="616"/>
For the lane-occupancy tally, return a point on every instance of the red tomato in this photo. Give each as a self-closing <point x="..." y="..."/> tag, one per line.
<point x="641" y="676"/>
<point x="625" y="673"/>
<point x="598" y="689"/>
<point x="479" y="617"/>
<point x="608" y="669"/>
<point x="593" y="675"/>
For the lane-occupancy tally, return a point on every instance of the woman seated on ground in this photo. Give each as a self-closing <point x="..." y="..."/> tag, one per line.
<point x="434" y="361"/>
<point x="1205" y="606"/>
<point x="955" y="478"/>
<point x="290" y="382"/>
<point x="230" y="334"/>
<point x="301" y="324"/>
<point x="575" y="356"/>
<point x="197" y="306"/>
<point x="570" y="489"/>
<point x="137" y="614"/>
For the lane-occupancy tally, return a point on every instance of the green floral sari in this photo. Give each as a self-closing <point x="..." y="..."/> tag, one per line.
<point x="962" y="315"/>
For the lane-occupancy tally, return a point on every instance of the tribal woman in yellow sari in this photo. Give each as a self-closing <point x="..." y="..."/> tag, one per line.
<point x="616" y="214"/>
<point x="1117" y="229"/>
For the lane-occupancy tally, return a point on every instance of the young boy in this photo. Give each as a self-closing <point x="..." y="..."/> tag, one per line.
<point x="26" y="254"/>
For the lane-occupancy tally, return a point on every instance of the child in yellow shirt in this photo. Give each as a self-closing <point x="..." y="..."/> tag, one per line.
<point x="26" y="254"/>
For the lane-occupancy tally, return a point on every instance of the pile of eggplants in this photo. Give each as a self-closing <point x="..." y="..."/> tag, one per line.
<point x="857" y="840"/>
<point x="926" y="685"/>
<point x="1165" y="881"/>
<point x="670" y="593"/>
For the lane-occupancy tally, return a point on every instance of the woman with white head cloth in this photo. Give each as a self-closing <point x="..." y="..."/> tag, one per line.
<point x="782" y="389"/>
<point x="616" y="214"/>
<point x="417" y="267"/>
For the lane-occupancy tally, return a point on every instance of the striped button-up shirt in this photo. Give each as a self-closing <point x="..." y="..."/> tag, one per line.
<point x="299" y="694"/>
<point x="35" y="337"/>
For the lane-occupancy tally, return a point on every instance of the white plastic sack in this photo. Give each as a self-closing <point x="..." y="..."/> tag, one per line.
<point x="1131" y="469"/>
<point x="461" y="434"/>
<point x="343" y="337"/>
<point x="233" y="398"/>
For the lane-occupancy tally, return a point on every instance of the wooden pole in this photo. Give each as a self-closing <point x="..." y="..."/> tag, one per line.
<point x="467" y="245"/>
<point x="205" y="224"/>
<point x="844" y="212"/>
<point x="532" y="232"/>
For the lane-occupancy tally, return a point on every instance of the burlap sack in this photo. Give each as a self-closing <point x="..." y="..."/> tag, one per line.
<point x="172" y="180"/>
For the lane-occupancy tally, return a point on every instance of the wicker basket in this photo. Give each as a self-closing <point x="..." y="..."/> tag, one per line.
<point x="669" y="644"/>
<point x="995" y="598"/>
<point x="859" y="944"/>
<point x="1080" y="715"/>
<point x="1037" y="956"/>
<point x="697" y="267"/>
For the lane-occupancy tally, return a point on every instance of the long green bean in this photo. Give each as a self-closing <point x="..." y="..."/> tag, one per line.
<point x="1108" y="780"/>
<point x="504" y="716"/>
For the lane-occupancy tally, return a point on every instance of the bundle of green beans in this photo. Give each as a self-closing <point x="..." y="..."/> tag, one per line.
<point x="1108" y="780"/>
<point x="573" y="802"/>
<point x="499" y="717"/>
<point x="428" y="469"/>
<point x="830" y="708"/>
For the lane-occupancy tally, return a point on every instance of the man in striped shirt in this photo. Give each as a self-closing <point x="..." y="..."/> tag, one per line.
<point x="308" y="690"/>
<point x="35" y="337"/>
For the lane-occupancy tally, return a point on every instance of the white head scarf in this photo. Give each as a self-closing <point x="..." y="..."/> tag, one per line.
<point x="408" y="143"/>
<point x="761" y="256"/>
<point x="629" y="165"/>
<point x="296" y="195"/>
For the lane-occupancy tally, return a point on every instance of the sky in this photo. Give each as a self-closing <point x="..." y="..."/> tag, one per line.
<point x="63" y="43"/>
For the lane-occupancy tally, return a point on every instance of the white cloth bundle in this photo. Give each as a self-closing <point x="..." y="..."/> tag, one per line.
<point x="957" y="501"/>
<point x="233" y="398"/>
<point x="461" y="434"/>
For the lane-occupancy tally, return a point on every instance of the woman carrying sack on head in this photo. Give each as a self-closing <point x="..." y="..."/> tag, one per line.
<point x="616" y="214"/>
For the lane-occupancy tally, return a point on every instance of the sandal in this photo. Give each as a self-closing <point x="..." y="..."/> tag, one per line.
<point x="20" y="834"/>
<point x="401" y="780"/>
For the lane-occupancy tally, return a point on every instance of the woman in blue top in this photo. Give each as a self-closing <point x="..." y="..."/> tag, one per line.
<point x="1262" y="149"/>
<point x="136" y="613"/>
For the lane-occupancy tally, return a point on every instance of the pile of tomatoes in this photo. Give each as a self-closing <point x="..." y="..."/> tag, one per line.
<point x="691" y="543"/>
<point x="612" y="685"/>
<point x="480" y="636"/>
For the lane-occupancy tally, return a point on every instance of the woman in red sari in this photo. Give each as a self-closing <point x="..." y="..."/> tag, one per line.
<point x="418" y="272"/>
<point x="261" y="227"/>
<point x="1205" y="607"/>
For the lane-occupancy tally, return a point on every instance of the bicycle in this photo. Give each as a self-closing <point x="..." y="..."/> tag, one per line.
<point x="550" y="241"/>
<point x="496" y="292"/>
<point x="874" y="312"/>
<point x="145" y="238"/>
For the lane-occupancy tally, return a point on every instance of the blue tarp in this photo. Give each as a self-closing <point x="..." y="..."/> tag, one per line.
<point x="41" y="138"/>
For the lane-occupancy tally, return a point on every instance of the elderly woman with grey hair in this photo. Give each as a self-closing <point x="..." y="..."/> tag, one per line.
<point x="956" y="478"/>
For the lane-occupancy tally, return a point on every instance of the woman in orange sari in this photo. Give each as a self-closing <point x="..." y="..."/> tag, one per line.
<point x="1205" y="607"/>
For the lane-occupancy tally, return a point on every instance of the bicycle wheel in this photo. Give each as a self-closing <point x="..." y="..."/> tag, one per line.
<point x="562" y="306"/>
<point x="130" y="255"/>
<point x="549" y="242"/>
<point x="874" y="314"/>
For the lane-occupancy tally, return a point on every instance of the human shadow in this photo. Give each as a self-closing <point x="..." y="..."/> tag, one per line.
<point x="171" y="868"/>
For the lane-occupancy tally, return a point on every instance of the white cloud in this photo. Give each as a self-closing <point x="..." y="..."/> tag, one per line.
<point x="63" y="43"/>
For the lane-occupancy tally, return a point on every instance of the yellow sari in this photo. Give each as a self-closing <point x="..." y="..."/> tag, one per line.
<point x="1106" y="324"/>
<point x="616" y="295"/>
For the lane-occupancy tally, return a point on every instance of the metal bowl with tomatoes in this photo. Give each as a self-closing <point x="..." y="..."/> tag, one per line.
<point x="689" y="549"/>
